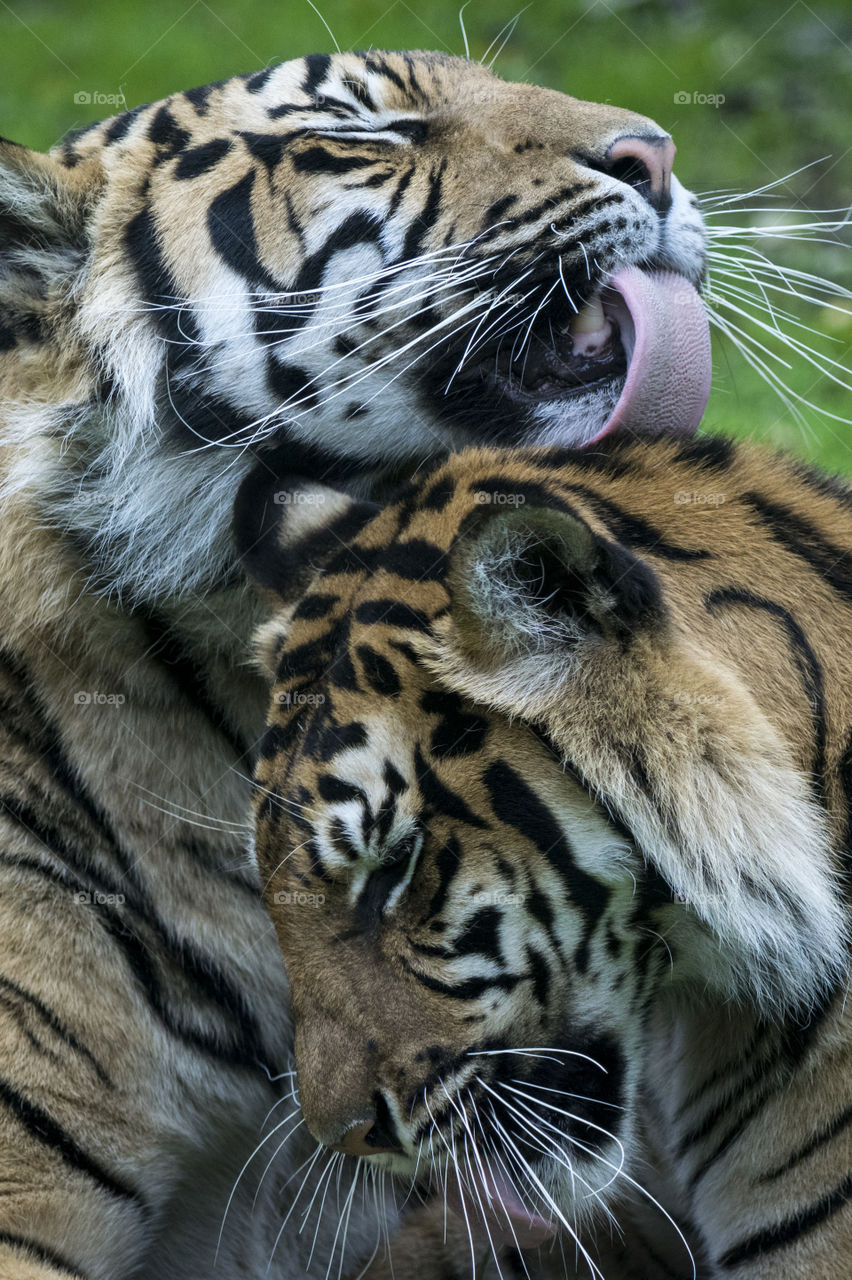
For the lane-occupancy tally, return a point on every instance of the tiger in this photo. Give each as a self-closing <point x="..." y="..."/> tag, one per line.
<point x="553" y="820"/>
<point x="344" y="265"/>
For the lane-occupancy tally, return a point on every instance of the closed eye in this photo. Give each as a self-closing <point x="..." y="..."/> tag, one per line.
<point x="391" y="132"/>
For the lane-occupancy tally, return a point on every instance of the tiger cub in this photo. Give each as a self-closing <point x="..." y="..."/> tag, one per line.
<point x="553" y="824"/>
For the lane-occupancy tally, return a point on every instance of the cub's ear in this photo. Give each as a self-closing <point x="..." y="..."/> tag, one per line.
<point x="553" y="623"/>
<point x="537" y="583"/>
<point x="289" y="528"/>
<point x="45" y="209"/>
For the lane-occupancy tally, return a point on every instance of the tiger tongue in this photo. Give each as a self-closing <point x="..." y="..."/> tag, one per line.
<point x="498" y="1208"/>
<point x="664" y="330"/>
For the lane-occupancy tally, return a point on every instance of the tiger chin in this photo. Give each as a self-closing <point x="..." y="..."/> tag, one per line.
<point x="552" y="814"/>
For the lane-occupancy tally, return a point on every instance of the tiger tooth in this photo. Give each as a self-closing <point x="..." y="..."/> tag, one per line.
<point x="590" y="318"/>
<point x="590" y="329"/>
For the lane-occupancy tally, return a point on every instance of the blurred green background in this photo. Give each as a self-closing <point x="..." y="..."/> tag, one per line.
<point x="752" y="90"/>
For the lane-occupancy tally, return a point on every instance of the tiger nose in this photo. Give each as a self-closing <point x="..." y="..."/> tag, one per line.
<point x="371" y="1138"/>
<point x="645" y="163"/>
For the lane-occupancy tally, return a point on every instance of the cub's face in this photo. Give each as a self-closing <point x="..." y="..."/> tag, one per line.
<point x="461" y="926"/>
<point x="477" y="950"/>
<point x="458" y="922"/>
<point x="365" y="258"/>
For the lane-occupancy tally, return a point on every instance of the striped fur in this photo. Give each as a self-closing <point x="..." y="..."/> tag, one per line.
<point x="181" y="288"/>
<point x="558" y="760"/>
<point x="289" y="267"/>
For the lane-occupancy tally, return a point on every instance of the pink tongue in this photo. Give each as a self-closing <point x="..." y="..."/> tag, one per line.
<point x="665" y="332"/>
<point x="506" y="1219"/>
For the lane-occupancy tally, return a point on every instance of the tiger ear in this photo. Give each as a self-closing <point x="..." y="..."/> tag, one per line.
<point x="553" y="623"/>
<point x="289" y="528"/>
<point x="538" y="583"/>
<point x="45" y="209"/>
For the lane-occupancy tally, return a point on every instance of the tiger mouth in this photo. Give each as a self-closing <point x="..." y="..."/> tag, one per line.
<point x="571" y="361"/>
<point x="643" y="337"/>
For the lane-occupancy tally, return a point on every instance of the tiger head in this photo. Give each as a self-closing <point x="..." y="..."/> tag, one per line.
<point x="338" y="265"/>
<point x="522" y="789"/>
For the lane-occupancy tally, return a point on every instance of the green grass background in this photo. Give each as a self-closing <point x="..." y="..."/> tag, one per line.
<point x="785" y="73"/>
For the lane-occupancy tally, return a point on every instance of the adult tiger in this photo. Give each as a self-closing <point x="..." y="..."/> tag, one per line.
<point x="244" y="267"/>
<point x="553" y="821"/>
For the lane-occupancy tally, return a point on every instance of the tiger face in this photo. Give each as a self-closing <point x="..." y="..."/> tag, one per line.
<point x="522" y="792"/>
<point x="338" y="265"/>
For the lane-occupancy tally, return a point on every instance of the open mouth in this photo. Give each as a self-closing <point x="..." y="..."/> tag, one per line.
<point x="644" y="337"/>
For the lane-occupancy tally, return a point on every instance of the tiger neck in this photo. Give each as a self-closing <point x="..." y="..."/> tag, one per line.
<point x="156" y="698"/>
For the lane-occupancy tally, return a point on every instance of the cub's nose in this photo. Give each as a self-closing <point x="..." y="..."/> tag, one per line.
<point x="372" y="1137"/>
<point x="645" y="163"/>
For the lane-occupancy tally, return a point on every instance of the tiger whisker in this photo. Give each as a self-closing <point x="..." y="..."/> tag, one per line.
<point x="275" y="1155"/>
<point x="513" y="1151"/>
<point x="529" y="1084"/>
<point x="310" y="1162"/>
<point x="239" y="1177"/>
<point x="451" y="1161"/>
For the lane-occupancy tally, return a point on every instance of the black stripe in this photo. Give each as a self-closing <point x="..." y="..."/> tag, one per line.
<point x="790" y="1229"/>
<point x="157" y="285"/>
<point x="201" y="159"/>
<point x="810" y="670"/>
<point x="162" y="645"/>
<point x="317" y="67"/>
<point x="256" y="80"/>
<point x="319" y="160"/>
<point x="169" y="137"/>
<point x="439" y="799"/>
<point x="380" y="67"/>
<point x="247" y="1046"/>
<point x="423" y="222"/>
<point x="636" y="531"/>
<point x="516" y="804"/>
<point x="803" y="538"/>
<point x="729" y="1137"/>
<point x="401" y="188"/>
<point x="470" y="988"/>
<point x="723" y="1073"/>
<point x="535" y="212"/>
<point x="230" y="225"/>
<point x="121" y="125"/>
<point x="44" y="1129"/>
<point x="47" y="1257"/>
<point x="392" y="613"/>
<point x="820" y="1139"/>
<point x="51" y="1019"/>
